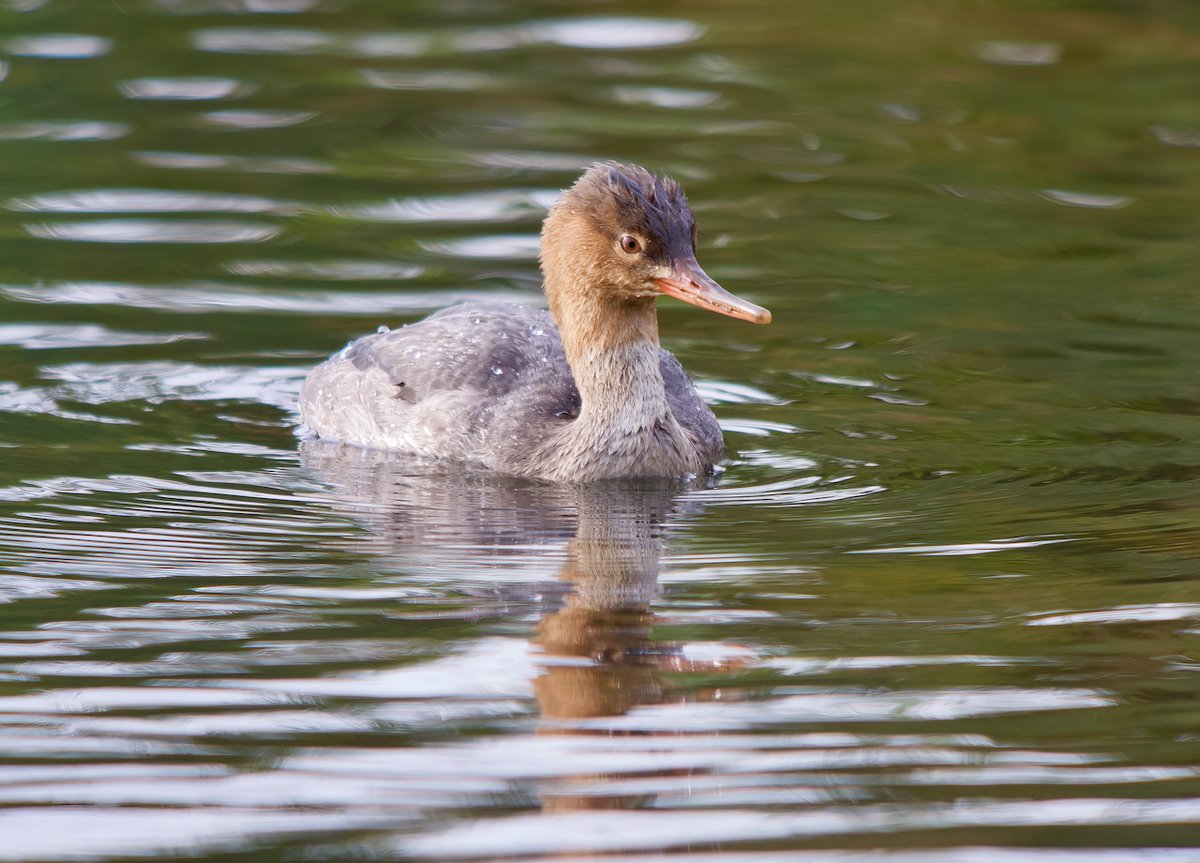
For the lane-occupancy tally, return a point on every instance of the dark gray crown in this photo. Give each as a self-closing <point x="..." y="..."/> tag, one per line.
<point x="631" y="198"/>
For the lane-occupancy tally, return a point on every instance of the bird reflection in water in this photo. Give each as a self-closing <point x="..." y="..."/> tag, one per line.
<point x="602" y="544"/>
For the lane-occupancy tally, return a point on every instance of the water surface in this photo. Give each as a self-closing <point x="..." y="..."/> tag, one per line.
<point x="942" y="605"/>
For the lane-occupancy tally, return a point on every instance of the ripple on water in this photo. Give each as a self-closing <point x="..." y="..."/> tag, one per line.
<point x="453" y="80"/>
<point x="495" y="246"/>
<point x="204" y="298"/>
<point x="801" y="490"/>
<point x="816" y="705"/>
<point x="63" y="130"/>
<point x="499" y="206"/>
<point x="1086" y="199"/>
<point x="389" y="45"/>
<point x="756" y="427"/>
<point x="268" y="7"/>
<point x="153" y="383"/>
<point x="599" y="33"/>
<point x="1020" y="53"/>
<point x="43" y="833"/>
<point x="990" y="546"/>
<point x="1176" y="137"/>
<point x="153" y="231"/>
<point x="69" y="336"/>
<point x="491" y="668"/>
<point x="665" y="97"/>
<point x="156" y="382"/>
<point x="61" y="46"/>
<point x="38" y="400"/>
<point x="181" y="675"/>
<point x="184" y="89"/>
<point x="244" y="164"/>
<point x="1126" y="614"/>
<point x="206" y="524"/>
<point x="335" y="271"/>
<point x="261" y="40"/>
<point x="248" y="119"/>
<point x="538" y="161"/>
<point x="147" y="201"/>
<point x="731" y="392"/>
<point x="217" y="646"/>
<point x="612" y="33"/>
<point x="266" y="40"/>
<point x="628" y="831"/>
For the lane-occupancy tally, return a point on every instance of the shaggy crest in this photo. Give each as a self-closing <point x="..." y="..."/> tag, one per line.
<point x="639" y="201"/>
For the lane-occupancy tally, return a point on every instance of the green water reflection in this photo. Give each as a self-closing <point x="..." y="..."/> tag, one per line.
<point x="941" y="607"/>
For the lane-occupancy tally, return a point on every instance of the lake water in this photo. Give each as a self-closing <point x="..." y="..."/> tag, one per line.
<point x="943" y="605"/>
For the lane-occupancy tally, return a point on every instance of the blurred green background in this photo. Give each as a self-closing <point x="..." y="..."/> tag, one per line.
<point x="941" y="607"/>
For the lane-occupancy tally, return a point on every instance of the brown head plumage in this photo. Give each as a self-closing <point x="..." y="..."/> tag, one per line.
<point x="629" y="200"/>
<point x="619" y="238"/>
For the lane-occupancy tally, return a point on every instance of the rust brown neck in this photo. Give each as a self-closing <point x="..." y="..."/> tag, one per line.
<point x="600" y="323"/>
<point x="592" y="324"/>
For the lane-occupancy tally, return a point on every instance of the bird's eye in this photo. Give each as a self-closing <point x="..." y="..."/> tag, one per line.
<point x="630" y="245"/>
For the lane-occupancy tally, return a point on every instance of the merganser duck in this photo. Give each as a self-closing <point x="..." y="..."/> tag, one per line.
<point x="580" y="393"/>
